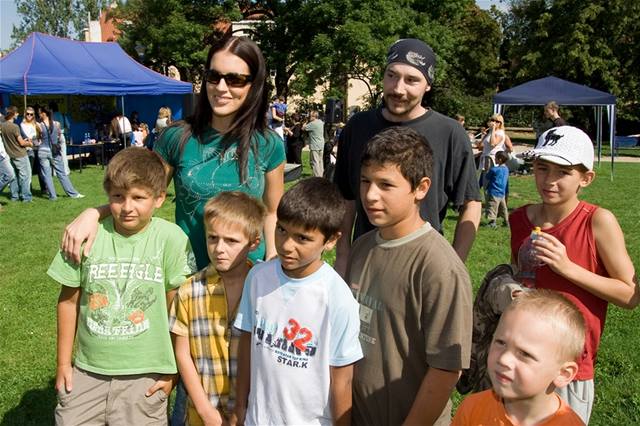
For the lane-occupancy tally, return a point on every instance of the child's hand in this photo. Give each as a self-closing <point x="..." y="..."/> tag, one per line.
<point x="64" y="374"/>
<point x="166" y="383"/>
<point x="552" y="252"/>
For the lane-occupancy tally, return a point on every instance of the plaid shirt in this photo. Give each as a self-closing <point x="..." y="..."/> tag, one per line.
<point x="199" y="312"/>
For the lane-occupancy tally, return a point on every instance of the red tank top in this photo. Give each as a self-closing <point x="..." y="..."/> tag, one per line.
<point x="576" y="234"/>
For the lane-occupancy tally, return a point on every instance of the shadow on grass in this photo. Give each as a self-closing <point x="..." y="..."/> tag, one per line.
<point x="35" y="408"/>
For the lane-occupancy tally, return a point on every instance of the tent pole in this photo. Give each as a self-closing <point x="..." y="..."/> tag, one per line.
<point x="124" y="137"/>
<point x="599" y="132"/>
<point x="612" y="132"/>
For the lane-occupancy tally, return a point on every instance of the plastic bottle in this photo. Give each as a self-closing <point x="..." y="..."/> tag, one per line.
<point x="527" y="260"/>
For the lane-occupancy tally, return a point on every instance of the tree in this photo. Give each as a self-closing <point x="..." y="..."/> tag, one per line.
<point x="173" y="32"/>
<point x="592" y="43"/>
<point x="62" y="18"/>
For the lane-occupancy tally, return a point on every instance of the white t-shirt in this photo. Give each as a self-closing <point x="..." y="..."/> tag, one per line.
<point x="490" y="151"/>
<point x="299" y="328"/>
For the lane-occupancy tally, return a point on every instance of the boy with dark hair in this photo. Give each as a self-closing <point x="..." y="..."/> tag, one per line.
<point x="581" y="246"/>
<point x="496" y="187"/>
<point x="118" y="297"/>
<point x="534" y="351"/>
<point x="201" y="318"/>
<point x="299" y="320"/>
<point x="414" y="292"/>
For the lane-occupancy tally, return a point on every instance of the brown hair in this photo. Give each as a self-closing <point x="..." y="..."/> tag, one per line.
<point x="402" y="147"/>
<point x="237" y="208"/>
<point x="136" y="166"/>
<point x="565" y="318"/>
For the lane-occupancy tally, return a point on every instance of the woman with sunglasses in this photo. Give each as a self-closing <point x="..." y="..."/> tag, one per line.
<point x="50" y="156"/>
<point x="492" y="142"/>
<point x="225" y="146"/>
<point x="30" y="129"/>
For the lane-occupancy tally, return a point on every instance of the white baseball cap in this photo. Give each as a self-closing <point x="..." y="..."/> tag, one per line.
<point x="564" y="145"/>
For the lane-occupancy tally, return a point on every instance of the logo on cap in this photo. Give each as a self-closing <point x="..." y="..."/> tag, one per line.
<point x="416" y="59"/>
<point x="551" y="138"/>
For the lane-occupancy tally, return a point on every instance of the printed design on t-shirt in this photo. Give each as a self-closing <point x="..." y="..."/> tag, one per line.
<point x="118" y="296"/>
<point x="211" y="174"/>
<point x="293" y="344"/>
<point x="368" y="306"/>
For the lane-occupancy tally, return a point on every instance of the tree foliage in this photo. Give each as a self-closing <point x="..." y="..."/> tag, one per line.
<point x="593" y="43"/>
<point x="62" y="18"/>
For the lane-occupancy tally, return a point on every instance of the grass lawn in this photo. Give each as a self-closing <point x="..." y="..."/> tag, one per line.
<point x="30" y="238"/>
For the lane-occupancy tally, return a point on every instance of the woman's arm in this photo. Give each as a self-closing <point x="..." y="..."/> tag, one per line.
<point x="83" y="229"/>
<point x="273" y="190"/>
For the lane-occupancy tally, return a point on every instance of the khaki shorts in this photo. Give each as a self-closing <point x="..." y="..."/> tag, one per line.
<point x="114" y="400"/>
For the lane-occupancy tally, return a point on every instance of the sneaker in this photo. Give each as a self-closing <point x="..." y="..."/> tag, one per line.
<point x="78" y="195"/>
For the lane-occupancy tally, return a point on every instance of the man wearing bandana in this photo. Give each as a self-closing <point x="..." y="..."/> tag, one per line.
<point x="414" y="332"/>
<point x="407" y="78"/>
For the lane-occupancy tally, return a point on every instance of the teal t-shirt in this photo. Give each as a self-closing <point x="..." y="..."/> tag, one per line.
<point x="202" y="171"/>
<point x="123" y="325"/>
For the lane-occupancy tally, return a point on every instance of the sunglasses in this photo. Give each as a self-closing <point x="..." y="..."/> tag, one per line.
<point x="29" y="114"/>
<point x="232" y="79"/>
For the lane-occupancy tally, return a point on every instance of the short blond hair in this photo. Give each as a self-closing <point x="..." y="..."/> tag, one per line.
<point x="499" y="118"/>
<point x="235" y="207"/>
<point x="563" y="316"/>
<point x="136" y="166"/>
<point x="164" y="112"/>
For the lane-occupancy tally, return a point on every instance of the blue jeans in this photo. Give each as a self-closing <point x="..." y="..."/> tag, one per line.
<point x="7" y="175"/>
<point x="48" y="163"/>
<point x="22" y="184"/>
<point x="179" y="414"/>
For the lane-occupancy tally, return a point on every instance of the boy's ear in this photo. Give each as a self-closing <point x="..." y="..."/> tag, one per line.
<point x="159" y="200"/>
<point x="422" y="188"/>
<point x="567" y="373"/>
<point x="331" y="242"/>
<point x="587" y="178"/>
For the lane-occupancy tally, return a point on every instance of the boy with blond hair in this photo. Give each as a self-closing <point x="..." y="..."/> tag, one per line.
<point x="581" y="246"/>
<point x="534" y="351"/>
<point x="201" y="319"/>
<point x="414" y="292"/>
<point x="299" y="320"/>
<point x="114" y="304"/>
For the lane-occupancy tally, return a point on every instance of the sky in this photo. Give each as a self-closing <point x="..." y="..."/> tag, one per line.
<point x="9" y="17"/>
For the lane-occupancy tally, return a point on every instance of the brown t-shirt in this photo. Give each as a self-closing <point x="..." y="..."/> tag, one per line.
<point x="415" y="312"/>
<point x="10" y="133"/>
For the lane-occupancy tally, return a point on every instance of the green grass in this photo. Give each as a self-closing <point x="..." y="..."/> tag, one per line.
<point x="30" y="238"/>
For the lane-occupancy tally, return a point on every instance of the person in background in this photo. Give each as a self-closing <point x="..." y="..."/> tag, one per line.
<point x="164" y="118"/>
<point x="134" y="119"/>
<point x="140" y="133"/>
<point x="65" y="131"/>
<point x="552" y="112"/>
<point x="16" y="147"/>
<point x="315" y="130"/>
<point x="121" y="129"/>
<point x="295" y="141"/>
<point x="278" y="113"/>
<point x="7" y="175"/>
<point x="496" y="187"/>
<point x="460" y="119"/>
<point x="30" y="130"/>
<point x="493" y="141"/>
<point x="50" y="156"/>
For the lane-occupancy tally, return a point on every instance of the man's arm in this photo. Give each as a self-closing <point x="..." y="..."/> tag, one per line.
<point x="243" y="379"/>
<point x="341" y="388"/>
<point x="343" y="246"/>
<point x="466" y="228"/>
<point x="68" y="302"/>
<point x="432" y="396"/>
<point x="207" y="412"/>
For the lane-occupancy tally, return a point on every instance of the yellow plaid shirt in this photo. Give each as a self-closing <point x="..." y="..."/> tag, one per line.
<point x="199" y="311"/>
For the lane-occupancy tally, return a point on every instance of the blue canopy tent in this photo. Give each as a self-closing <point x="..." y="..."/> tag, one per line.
<point x="543" y="90"/>
<point x="48" y="65"/>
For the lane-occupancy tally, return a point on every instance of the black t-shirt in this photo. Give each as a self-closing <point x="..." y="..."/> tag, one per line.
<point x="454" y="173"/>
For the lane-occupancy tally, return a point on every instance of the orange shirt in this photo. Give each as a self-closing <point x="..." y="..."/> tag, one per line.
<point x="486" y="409"/>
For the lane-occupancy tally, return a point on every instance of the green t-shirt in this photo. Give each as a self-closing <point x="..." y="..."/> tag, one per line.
<point x="202" y="171"/>
<point x="123" y="325"/>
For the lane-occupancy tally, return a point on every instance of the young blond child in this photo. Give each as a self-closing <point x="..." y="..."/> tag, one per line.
<point x="534" y="351"/>
<point x="299" y="320"/>
<point x="582" y="246"/>
<point x="202" y="315"/>
<point x="114" y="304"/>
